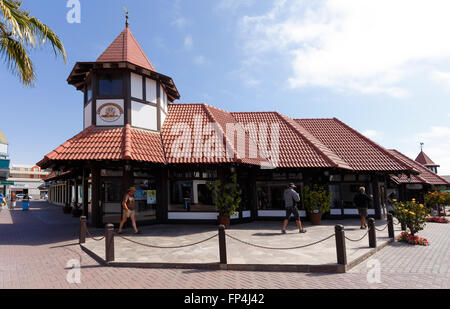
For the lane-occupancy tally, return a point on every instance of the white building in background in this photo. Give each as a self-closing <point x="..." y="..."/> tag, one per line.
<point x="27" y="179"/>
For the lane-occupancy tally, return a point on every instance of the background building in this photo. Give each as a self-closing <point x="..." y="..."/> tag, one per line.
<point x="4" y="163"/>
<point x="27" y="179"/>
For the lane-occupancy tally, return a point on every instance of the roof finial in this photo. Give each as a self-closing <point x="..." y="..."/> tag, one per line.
<point x="421" y="146"/>
<point x="126" y="16"/>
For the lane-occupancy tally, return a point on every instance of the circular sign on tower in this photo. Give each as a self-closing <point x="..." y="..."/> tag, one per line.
<point x="110" y="112"/>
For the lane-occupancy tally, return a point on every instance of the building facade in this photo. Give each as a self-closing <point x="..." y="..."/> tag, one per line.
<point x="135" y="135"/>
<point x="27" y="179"/>
<point x="4" y="164"/>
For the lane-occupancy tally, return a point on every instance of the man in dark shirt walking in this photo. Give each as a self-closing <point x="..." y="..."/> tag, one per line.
<point x="290" y="199"/>
<point x="361" y="201"/>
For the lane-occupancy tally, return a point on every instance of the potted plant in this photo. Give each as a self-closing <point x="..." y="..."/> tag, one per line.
<point x="67" y="209"/>
<point x="413" y="215"/>
<point x="317" y="201"/>
<point x="227" y="199"/>
<point x="77" y="211"/>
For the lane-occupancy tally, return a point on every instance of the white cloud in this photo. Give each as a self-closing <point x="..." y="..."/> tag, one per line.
<point x="188" y="42"/>
<point x="442" y="78"/>
<point x="362" y="46"/>
<point x="233" y="4"/>
<point x="373" y="135"/>
<point x="201" y="60"/>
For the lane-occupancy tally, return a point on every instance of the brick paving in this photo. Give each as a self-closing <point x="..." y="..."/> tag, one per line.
<point x="35" y="247"/>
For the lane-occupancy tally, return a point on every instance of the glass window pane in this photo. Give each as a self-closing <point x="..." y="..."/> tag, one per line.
<point x="110" y="85"/>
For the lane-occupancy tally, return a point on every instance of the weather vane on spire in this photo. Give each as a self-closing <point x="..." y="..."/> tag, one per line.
<point x="421" y="146"/>
<point x="126" y="16"/>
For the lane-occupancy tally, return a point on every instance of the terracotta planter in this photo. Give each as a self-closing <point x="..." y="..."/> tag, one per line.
<point x="316" y="219"/>
<point x="225" y="221"/>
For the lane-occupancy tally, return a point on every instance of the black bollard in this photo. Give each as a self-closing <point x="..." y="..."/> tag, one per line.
<point x="222" y="245"/>
<point x="340" y="244"/>
<point x="109" y="243"/>
<point x="372" y="233"/>
<point x="390" y="219"/>
<point x="83" y="229"/>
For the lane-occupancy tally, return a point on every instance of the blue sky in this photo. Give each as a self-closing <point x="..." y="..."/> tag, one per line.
<point x="380" y="68"/>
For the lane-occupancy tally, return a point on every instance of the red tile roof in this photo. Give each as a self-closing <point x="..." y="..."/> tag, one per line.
<point x="426" y="176"/>
<point x="195" y="117"/>
<point x="123" y="143"/>
<point x="126" y="48"/>
<point x="295" y="149"/>
<point x="358" y="151"/>
<point x="422" y="158"/>
<point x="303" y="143"/>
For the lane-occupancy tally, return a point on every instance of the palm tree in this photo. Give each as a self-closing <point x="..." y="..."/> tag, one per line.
<point x="18" y="32"/>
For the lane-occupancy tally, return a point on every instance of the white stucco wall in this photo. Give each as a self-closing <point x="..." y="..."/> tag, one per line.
<point x="88" y="115"/>
<point x="144" y="116"/>
<point x="136" y="86"/>
<point x="150" y="85"/>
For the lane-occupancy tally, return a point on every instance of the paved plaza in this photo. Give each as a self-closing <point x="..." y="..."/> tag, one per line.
<point x="36" y="247"/>
<point x="265" y="234"/>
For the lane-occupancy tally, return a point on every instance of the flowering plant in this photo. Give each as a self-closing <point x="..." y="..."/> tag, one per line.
<point x="411" y="214"/>
<point x="436" y="198"/>
<point x="414" y="240"/>
<point x="437" y="220"/>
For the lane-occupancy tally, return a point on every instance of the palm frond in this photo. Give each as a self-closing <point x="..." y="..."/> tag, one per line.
<point x="16" y="57"/>
<point x="45" y="33"/>
<point x="19" y="30"/>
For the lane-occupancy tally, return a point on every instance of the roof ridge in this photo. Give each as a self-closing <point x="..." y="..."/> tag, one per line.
<point x="406" y="158"/>
<point x="140" y="49"/>
<point x="227" y="144"/>
<point x="126" y="142"/>
<point x="421" y="166"/>
<point x="379" y="147"/>
<point x="309" y="139"/>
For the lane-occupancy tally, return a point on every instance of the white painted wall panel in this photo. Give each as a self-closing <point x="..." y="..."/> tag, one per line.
<point x="110" y="113"/>
<point x="193" y="215"/>
<point x="277" y="213"/>
<point x="150" y="85"/>
<point x="136" y="86"/>
<point x="144" y="116"/>
<point x="3" y="148"/>
<point x="88" y="115"/>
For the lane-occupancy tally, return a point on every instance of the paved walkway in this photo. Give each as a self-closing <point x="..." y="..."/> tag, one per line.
<point x="36" y="246"/>
<point x="266" y="234"/>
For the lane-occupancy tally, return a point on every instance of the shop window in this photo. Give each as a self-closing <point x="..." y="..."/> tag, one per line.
<point x="271" y="196"/>
<point x="145" y="198"/>
<point x="335" y="196"/>
<point x="204" y="195"/>
<point x="335" y="178"/>
<point x="191" y="196"/>
<point x="365" y="178"/>
<point x="111" y="172"/>
<point x="110" y="84"/>
<point x="296" y="176"/>
<point x="278" y="176"/>
<point x="349" y="177"/>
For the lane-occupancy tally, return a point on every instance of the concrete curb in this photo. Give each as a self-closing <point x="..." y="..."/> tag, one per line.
<point x="324" y="268"/>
